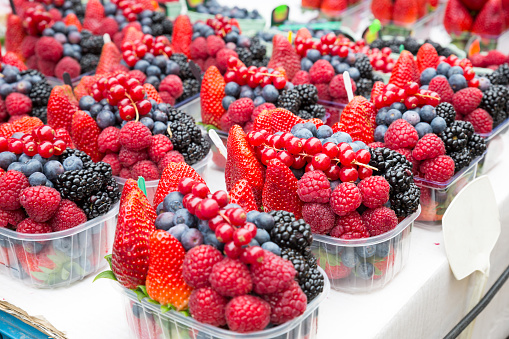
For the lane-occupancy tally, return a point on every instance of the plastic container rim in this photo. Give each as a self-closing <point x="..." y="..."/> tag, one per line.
<point x="496" y="131"/>
<point x="187" y="101"/>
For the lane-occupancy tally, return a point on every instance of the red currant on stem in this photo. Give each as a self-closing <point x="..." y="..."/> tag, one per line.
<point x="348" y="174"/>
<point x="59" y="147"/>
<point x="237" y="216"/>
<point x="185" y="186"/>
<point x="200" y="190"/>
<point x="216" y="221"/>
<point x="45" y="133"/>
<point x="267" y="155"/>
<point x="4" y="145"/>
<point x="321" y="161"/>
<point x="411" y="102"/>
<point x="364" y="172"/>
<point x="294" y="145"/>
<point x="29" y="148"/>
<point x="137" y="93"/>
<point x="299" y="161"/>
<point x="192" y="204"/>
<point x="256" y="138"/>
<point x="251" y="228"/>
<point x="221" y="197"/>
<point x="144" y="106"/>
<point x="207" y="209"/>
<point x="330" y="149"/>
<point x="224" y="232"/>
<point x="252" y="255"/>
<point x="46" y="149"/>
<point x="343" y="147"/>
<point x="363" y="156"/>
<point x="347" y="157"/>
<point x="127" y="112"/>
<point x="473" y="83"/>
<point x="232" y="251"/>
<point x="242" y="237"/>
<point x="332" y="172"/>
<point x="309" y="167"/>
<point x="285" y="157"/>
<point x="412" y="88"/>
<point x="187" y="199"/>
<point x="312" y="146"/>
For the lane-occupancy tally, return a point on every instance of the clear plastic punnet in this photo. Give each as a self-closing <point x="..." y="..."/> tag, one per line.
<point x="495" y="147"/>
<point x="332" y="111"/>
<point x="191" y="106"/>
<point x="364" y="265"/>
<point x="218" y="159"/>
<point x="60" y="258"/>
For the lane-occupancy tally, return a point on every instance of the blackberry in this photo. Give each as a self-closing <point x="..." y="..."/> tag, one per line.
<point x="32" y="72"/>
<point x="181" y="60"/>
<point x="407" y="202"/>
<point x="40" y="94"/>
<point x="364" y="87"/>
<point x="378" y="43"/>
<point x="78" y="184"/>
<point x="167" y="26"/>
<point x="290" y="100"/>
<point x="503" y="70"/>
<point x="304" y="114"/>
<point x="454" y="138"/>
<point x="299" y="262"/>
<point x="376" y="78"/>
<point x="446" y="52"/>
<point x="316" y="111"/>
<point x="182" y="134"/>
<point x="461" y="159"/>
<point x="468" y="128"/>
<point x="411" y="45"/>
<point x="363" y="64"/>
<point x="313" y="285"/>
<point x="196" y="152"/>
<point x="191" y="87"/>
<point x="289" y="232"/>
<point x="257" y="49"/>
<point x="495" y="78"/>
<point x="91" y="43"/>
<point x="494" y="101"/>
<point x="157" y="29"/>
<point x="103" y="169"/>
<point x="40" y="112"/>
<point x="85" y="158"/>
<point x="446" y="111"/>
<point x="96" y="204"/>
<point x="383" y="159"/>
<point x="111" y="188"/>
<point x="158" y="17"/>
<point x="399" y="178"/>
<point x="476" y="146"/>
<point x="245" y="55"/>
<point x="435" y="45"/>
<point x="89" y="62"/>
<point x="308" y="94"/>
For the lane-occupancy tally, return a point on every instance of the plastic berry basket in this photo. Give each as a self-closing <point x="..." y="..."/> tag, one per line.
<point x="332" y="111"/>
<point x="58" y="259"/>
<point x="151" y="185"/>
<point x="494" y="145"/>
<point x="218" y="159"/>
<point x="53" y="81"/>
<point x="146" y="321"/>
<point x="247" y="26"/>
<point x="191" y="106"/>
<point x="368" y="264"/>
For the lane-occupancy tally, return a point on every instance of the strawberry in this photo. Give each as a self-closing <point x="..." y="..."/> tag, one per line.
<point x="110" y="56"/>
<point x="130" y="256"/>
<point x="6" y="130"/>
<point x="242" y="194"/>
<point x="427" y="57"/>
<point x="283" y="120"/>
<point x="285" y="56"/>
<point x="262" y="121"/>
<point x="27" y="124"/>
<point x="242" y="163"/>
<point x="212" y="94"/>
<point x="62" y="134"/>
<point x="378" y="88"/>
<point x="357" y="119"/>
<point x="405" y="70"/>
<point x="382" y="10"/>
<point x="182" y="35"/>
<point x="457" y="18"/>
<point x="474" y="5"/>
<point x="72" y="19"/>
<point x="338" y="271"/>
<point x="131" y="35"/>
<point x="171" y="177"/>
<point x="303" y="33"/>
<point x="280" y="190"/>
<point x="152" y="93"/>
<point x="333" y="7"/>
<point x="405" y="12"/>
<point x="85" y="133"/>
<point x="11" y="58"/>
<point x="382" y="265"/>
<point x="94" y="10"/>
<point x="490" y="20"/>
<point x="14" y="35"/>
<point x="61" y="106"/>
<point x="165" y="270"/>
<point x="39" y="265"/>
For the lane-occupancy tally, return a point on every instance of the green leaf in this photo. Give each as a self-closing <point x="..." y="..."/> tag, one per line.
<point x="108" y="259"/>
<point x="207" y="127"/>
<point x="40" y="275"/>
<point x="46" y="270"/>
<point x="107" y="275"/>
<point x="150" y="300"/>
<point x="139" y="295"/>
<point x="65" y="274"/>
<point x="143" y="289"/>
<point x="185" y="313"/>
<point x="165" y="308"/>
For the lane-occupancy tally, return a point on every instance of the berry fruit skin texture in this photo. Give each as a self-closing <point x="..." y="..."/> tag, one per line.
<point x="428" y="147"/>
<point x="68" y="215"/>
<point x="159" y="147"/>
<point x="18" y="104"/>
<point x="146" y="169"/>
<point x="319" y="216"/>
<point x="314" y="187"/>
<point x="198" y="264"/>
<point x="467" y="100"/>
<point x="231" y="278"/>
<point x="40" y="202"/>
<point x="240" y="110"/>
<point x="481" y="120"/>
<point x="11" y="185"/>
<point x="109" y="140"/>
<point x="135" y="136"/>
<point x="374" y="191"/>
<point x="286" y="305"/>
<point x="349" y="226"/>
<point x="207" y="306"/>
<point x="272" y="275"/>
<point x="321" y="72"/>
<point x="401" y="134"/>
<point x="345" y="198"/>
<point x="247" y="313"/>
<point x="33" y="227"/>
<point x="379" y="220"/>
<point x="438" y="169"/>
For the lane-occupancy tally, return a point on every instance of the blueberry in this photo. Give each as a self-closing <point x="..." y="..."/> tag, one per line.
<point x="365" y="251"/>
<point x="312" y="127"/>
<point x="160" y="62"/>
<point x="160" y="208"/>
<point x="296" y="127"/>
<point x="191" y="238"/>
<point x="95" y="109"/>
<point x="427" y="75"/>
<point x="354" y="146"/>
<point x="141" y="65"/>
<point x="153" y="71"/>
<point x="232" y="89"/>
<point x="5" y="89"/>
<point x="147" y="122"/>
<point x="380" y="117"/>
<point x="331" y="139"/>
<point x="160" y="116"/>
<point x="342" y="137"/>
<point x="423" y="128"/>
<point x="172" y="67"/>
<point x="227" y="101"/>
<point x="289" y="85"/>
<point x="86" y="102"/>
<point x="265" y="221"/>
<point x="173" y="202"/>
<point x="270" y="93"/>
<point x="383" y="249"/>
<point x="427" y="113"/>
<point x="259" y="100"/>
<point x="178" y="230"/>
<point x="334" y="184"/>
<point x="48" y="32"/>
<point x="271" y="247"/>
<point x="211" y="239"/>
<point x="37" y="179"/>
<point x="69" y="246"/>
<point x="365" y="270"/>
<point x="303" y="133"/>
<point x="246" y="92"/>
<point x="412" y="117"/>
<point x="443" y="68"/>
<point x="326" y="57"/>
<point x="349" y="258"/>
<point x="182" y="216"/>
<point x="15" y="166"/>
<point x="159" y="128"/>
<point x="438" y="125"/>
<point x="341" y="68"/>
<point x="203" y="226"/>
<point x="17" y="135"/>
<point x="59" y="26"/>
<point x="52" y="169"/>
<point x="24" y="87"/>
<point x="324" y="131"/>
<point x="425" y="87"/>
<point x="72" y="163"/>
<point x="253" y="242"/>
<point x="164" y="221"/>
<point x="104" y="102"/>
<point x="306" y="64"/>
<point x="163" y="107"/>
<point x="227" y="207"/>
<point x="24" y="158"/>
<point x="454" y="70"/>
<point x="350" y="59"/>
<point x="243" y="41"/>
<point x="313" y="55"/>
<point x="74" y="37"/>
<point x="484" y="83"/>
<point x="105" y="119"/>
<point x="262" y="236"/>
<point x="361" y="145"/>
<point x="457" y="82"/>
<point x="30" y="167"/>
<point x="392" y="115"/>
<point x="251" y="216"/>
<point x="41" y="159"/>
<point x="146" y="30"/>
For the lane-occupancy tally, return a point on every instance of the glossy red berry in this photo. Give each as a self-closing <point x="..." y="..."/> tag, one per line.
<point x="186" y="185"/>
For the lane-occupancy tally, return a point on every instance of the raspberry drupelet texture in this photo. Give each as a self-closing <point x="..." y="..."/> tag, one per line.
<point x="314" y="187"/>
<point x="345" y="198"/>
<point x="231" y="278"/>
<point x="374" y="191"/>
<point x="161" y="145"/>
<point x="33" y="227"/>
<point x="247" y="313"/>
<point x="286" y="305"/>
<point x="379" y="220"/>
<point x="198" y="264"/>
<point x="207" y="306"/>
<point x="319" y="216"/>
<point x="428" y="147"/>
<point x="401" y="134"/>
<point x="12" y="184"/>
<point x="349" y="226"/>
<point x="272" y="275"/>
<point x="109" y="140"/>
<point x="135" y="136"/>
<point x="40" y="202"/>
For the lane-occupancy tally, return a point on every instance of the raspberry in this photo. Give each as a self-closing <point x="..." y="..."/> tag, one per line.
<point x="240" y="110"/>
<point x="481" y="120"/>
<point x="477" y="60"/>
<point x="198" y="48"/>
<point x="33" y="227"/>
<point x="494" y="57"/>
<point x="135" y="136"/>
<point x="198" y="265"/>
<point x="226" y="122"/>
<point x="321" y="72"/>
<point x="376" y="144"/>
<point x="109" y="140"/>
<point x="171" y="156"/>
<point x="125" y="173"/>
<point x="161" y="145"/>
<point x="40" y="202"/>
<point x="46" y="67"/>
<point x="108" y="26"/>
<point x="319" y="216"/>
<point x="207" y="306"/>
<point x="69" y="65"/>
<point x="467" y="100"/>
<point x="438" y="169"/>
<point x="68" y="215"/>
<point x="323" y="92"/>
<point x="428" y="147"/>
<point x="173" y="85"/>
<point x="222" y="57"/>
<point x="301" y="78"/>
<point x="272" y="275"/>
<point x="263" y="107"/>
<point x="146" y="169"/>
<point x="345" y="198"/>
<point x="337" y="87"/>
<point x="48" y="49"/>
<point x="210" y="62"/>
<point x="314" y="187"/>
<point x="128" y="158"/>
<point x="18" y="104"/>
<point x="214" y="45"/>
<point x="3" y="111"/>
<point x="379" y="220"/>
<point x="248" y="127"/>
<point x="167" y="98"/>
<point x="349" y="226"/>
<point x="374" y="191"/>
<point x="247" y="313"/>
<point x="112" y="159"/>
<point x="286" y="305"/>
<point x="28" y="46"/>
<point x="11" y="186"/>
<point x="138" y="75"/>
<point x="230" y="278"/>
<point x="12" y="218"/>
<point x="401" y="134"/>
<point x="441" y="86"/>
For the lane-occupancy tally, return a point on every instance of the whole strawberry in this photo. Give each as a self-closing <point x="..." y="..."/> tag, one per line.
<point x="40" y="202"/>
<point x="61" y="106"/>
<point x="242" y="194"/>
<point x="212" y="94"/>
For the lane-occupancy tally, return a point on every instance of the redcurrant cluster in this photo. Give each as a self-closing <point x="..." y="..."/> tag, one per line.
<point x="468" y="69"/>
<point x="381" y="59"/>
<point x="412" y="96"/>
<point x="130" y="8"/>
<point x="41" y="141"/>
<point x="222" y="25"/>
<point x="134" y="51"/>
<point x="330" y="44"/>
<point x="36" y="20"/>
<point x="336" y="161"/>
<point x="253" y="76"/>
<point x="125" y="92"/>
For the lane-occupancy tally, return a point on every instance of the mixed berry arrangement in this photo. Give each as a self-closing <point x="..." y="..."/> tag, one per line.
<point x="214" y="8"/>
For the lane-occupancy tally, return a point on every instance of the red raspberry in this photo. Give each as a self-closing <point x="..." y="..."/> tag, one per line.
<point x="128" y="158"/>
<point x="198" y="264"/>
<point x="198" y="48"/>
<point x="319" y="216"/>
<point x="207" y="306"/>
<point x="350" y="226"/>
<point x="171" y="156"/>
<point x="222" y="57"/>
<point x="263" y="107"/>
<point x="161" y="145"/>
<point x="135" y="136"/>
<point x="286" y="305"/>
<point x="230" y="278"/>
<point x="12" y="184"/>
<point x="109" y="140"/>
<point x="438" y="169"/>
<point x="321" y="72"/>
<point x="345" y="198"/>
<point x="33" y="227"/>
<point x="173" y="85"/>
<point x="428" y="147"/>
<point x="314" y="187"/>
<point x="374" y="191"/>
<point x="214" y="45"/>
<point x="3" y="111"/>
<point x="48" y="49"/>
<point x="301" y="78"/>
<point x="240" y="110"/>
<point x="247" y="313"/>
<point x="248" y="127"/>
<point x="69" y="65"/>
<point x="379" y="220"/>
<point x="112" y="159"/>
<point x="401" y="134"/>
<point x="376" y="144"/>
<point x="146" y="169"/>
<point x="323" y="92"/>
<point x="441" y="86"/>
<point x="337" y="87"/>
<point x="125" y="173"/>
<point x="272" y="275"/>
<point x="226" y="122"/>
<point x="167" y="98"/>
<point x="12" y="218"/>
<point x="18" y="104"/>
<point x="68" y="215"/>
<point x="40" y="202"/>
<point x="139" y="75"/>
<point x="466" y="100"/>
<point x="494" y="57"/>
<point x="481" y="120"/>
<point x="408" y="155"/>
